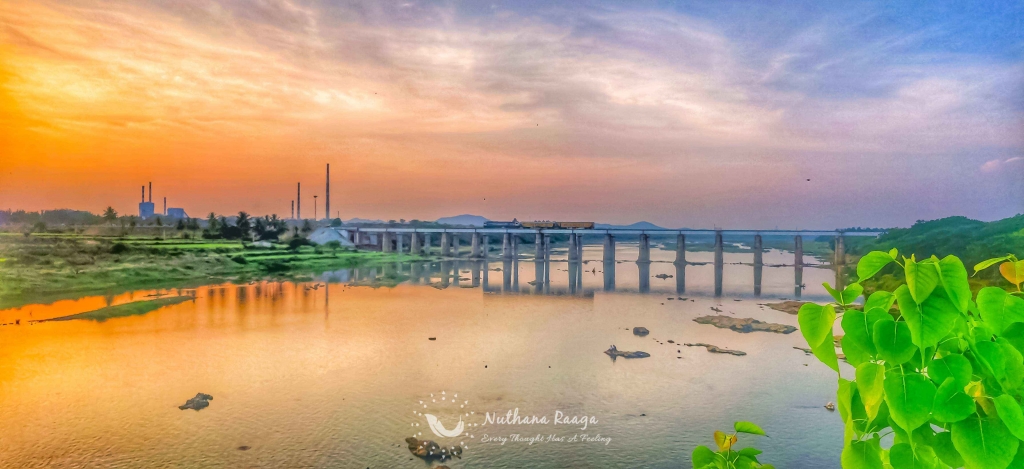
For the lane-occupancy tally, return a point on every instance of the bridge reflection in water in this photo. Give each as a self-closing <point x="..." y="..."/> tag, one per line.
<point x="503" y="276"/>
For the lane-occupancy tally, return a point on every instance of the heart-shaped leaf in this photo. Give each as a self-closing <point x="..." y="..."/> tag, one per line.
<point x="922" y="278"/>
<point x="953" y="276"/>
<point x="724" y="441"/>
<point x="1010" y="413"/>
<point x="870" y="379"/>
<point x="954" y="366"/>
<point x="1013" y="272"/>
<point x="816" y="322"/>
<point x="910" y="397"/>
<point x="862" y="455"/>
<point x="748" y="427"/>
<point x="999" y="309"/>
<point x="871" y="263"/>
<point x="951" y="403"/>
<point x="984" y="443"/>
<point x="893" y="342"/>
<point x="988" y="263"/>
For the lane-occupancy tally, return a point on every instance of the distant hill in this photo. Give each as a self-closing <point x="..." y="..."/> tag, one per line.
<point x="971" y="240"/>
<point x="462" y="220"/>
<point x="640" y="225"/>
<point x="353" y="221"/>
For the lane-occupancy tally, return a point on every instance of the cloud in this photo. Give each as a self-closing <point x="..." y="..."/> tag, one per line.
<point x="991" y="166"/>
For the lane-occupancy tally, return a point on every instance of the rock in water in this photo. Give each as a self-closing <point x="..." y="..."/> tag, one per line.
<point x="615" y="353"/>
<point x="428" y="450"/>
<point x="789" y="307"/>
<point x="744" y="324"/>
<point x="640" y="331"/>
<point x="717" y="349"/>
<point x="201" y="401"/>
<point x="663" y="276"/>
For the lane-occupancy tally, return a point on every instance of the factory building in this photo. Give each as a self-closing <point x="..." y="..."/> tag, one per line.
<point x="146" y="209"/>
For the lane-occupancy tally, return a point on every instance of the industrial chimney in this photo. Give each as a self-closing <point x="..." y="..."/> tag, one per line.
<point x="327" y="197"/>
<point x="293" y="209"/>
<point x="298" y="200"/>
<point x="150" y="191"/>
<point x="143" y="194"/>
<point x="165" y="206"/>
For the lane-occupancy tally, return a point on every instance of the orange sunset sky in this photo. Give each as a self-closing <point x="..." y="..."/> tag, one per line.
<point x="711" y="115"/>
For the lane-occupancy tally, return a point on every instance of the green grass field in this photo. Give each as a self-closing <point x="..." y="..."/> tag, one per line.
<point x="48" y="267"/>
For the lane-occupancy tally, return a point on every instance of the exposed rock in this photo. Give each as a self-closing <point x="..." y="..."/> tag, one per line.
<point x="201" y="401"/>
<point x="244" y="448"/>
<point x="790" y="307"/>
<point x="671" y="341"/>
<point x="805" y="350"/>
<point x="429" y="450"/>
<point x="717" y="349"/>
<point x="831" y="407"/>
<point x="640" y="331"/>
<point x="615" y="353"/>
<point x="744" y="324"/>
<point x="716" y="309"/>
<point x="663" y="276"/>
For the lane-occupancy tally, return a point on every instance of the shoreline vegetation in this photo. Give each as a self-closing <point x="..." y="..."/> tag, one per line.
<point x="46" y="267"/>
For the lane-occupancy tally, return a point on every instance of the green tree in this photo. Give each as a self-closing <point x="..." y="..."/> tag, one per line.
<point x="110" y="215"/>
<point x="244" y="224"/>
<point x="727" y="456"/>
<point x="935" y="367"/>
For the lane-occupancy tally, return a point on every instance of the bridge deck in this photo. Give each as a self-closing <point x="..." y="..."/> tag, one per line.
<point x="614" y="231"/>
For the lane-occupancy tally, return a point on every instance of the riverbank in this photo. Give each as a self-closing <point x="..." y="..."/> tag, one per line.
<point x="49" y="267"/>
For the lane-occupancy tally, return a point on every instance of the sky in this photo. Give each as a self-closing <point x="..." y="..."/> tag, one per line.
<point x="739" y="115"/>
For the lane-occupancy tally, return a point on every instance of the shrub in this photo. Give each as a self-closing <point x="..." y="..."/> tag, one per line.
<point x="118" y="248"/>
<point x="240" y="259"/>
<point x="942" y="373"/>
<point x="726" y="457"/>
<point x="296" y="243"/>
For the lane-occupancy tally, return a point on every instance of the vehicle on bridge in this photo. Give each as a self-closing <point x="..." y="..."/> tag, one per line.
<point x="503" y="224"/>
<point x="559" y="225"/>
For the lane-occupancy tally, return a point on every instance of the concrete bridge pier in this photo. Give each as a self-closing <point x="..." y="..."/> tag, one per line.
<point x="486" y="241"/>
<point x="538" y="273"/>
<point x="399" y="242"/>
<point x="506" y="276"/>
<point x="446" y="245"/>
<point x="475" y="246"/>
<point x="579" y="246"/>
<point x="645" y="249"/>
<point x="573" y="269"/>
<point x="385" y="242"/>
<point x="415" y="247"/>
<point x="645" y="276"/>
<point x="426" y="243"/>
<point x="840" y="250"/>
<point x="609" y="249"/>
<point x="681" y="278"/>
<point x="515" y="246"/>
<point x="758" y="263"/>
<point x="538" y="245"/>
<point x="719" y="263"/>
<point x="798" y="250"/>
<point x="455" y="245"/>
<point x="609" y="275"/>
<point x="547" y="250"/>
<point x="680" y="249"/>
<point x="506" y="246"/>
<point x="798" y="279"/>
<point x="574" y="254"/>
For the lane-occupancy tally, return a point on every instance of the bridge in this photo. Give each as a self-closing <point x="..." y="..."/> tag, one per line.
<point x="419" y="241"/>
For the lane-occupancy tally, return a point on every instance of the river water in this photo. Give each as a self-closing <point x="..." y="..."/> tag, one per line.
<point x="339" y="375"/>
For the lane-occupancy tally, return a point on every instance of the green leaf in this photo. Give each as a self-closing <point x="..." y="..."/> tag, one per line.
<point x="984" y="443"/>
<point x="930" y="321"/>
<point x="953" y="366"/>
<point x="1014" y="335"/>
<point x="702" y="457"/>
<point x="880" y="299"/>
<point x="910" y="396"/>
<point x="750" y="452"/>
<point x="892" y="341"/>
<point x="826" y="353"/>
<point x="816" y="322"/>
<point x="871" y="263"/>
<point x="1010" y="413"/>
<point x="870" y="377"/>
<point x="999" y="309"/>
<point x="747" y="427"/>
<point x="989" y="263"/>
<point x="847" y="296"/>
<point x="990" y="356"/>
<point x="1014" y="365"/>
<point x="902" y="456"/>
<point x="943" y="446"/>
<point x="862" y="455"/>
<point x="953" y="276"/>
<point x="951" y="403"/>
<point x="858" y="326"/>
<point x="922" y="278"/>
<point x="893" y="253"/>
<point x="1018" y="460"/>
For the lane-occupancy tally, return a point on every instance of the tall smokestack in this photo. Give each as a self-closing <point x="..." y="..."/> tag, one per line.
<point x="165" y="206"/>
<point x="327" y="197"/>
<point x="143" y="193"/>
<point x="293" y="209"/>
<point x="298" y="200"/>
<point x="150" y="192"/>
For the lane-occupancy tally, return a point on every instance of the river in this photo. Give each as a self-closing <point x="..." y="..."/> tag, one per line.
<point x="338" y="375"/>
